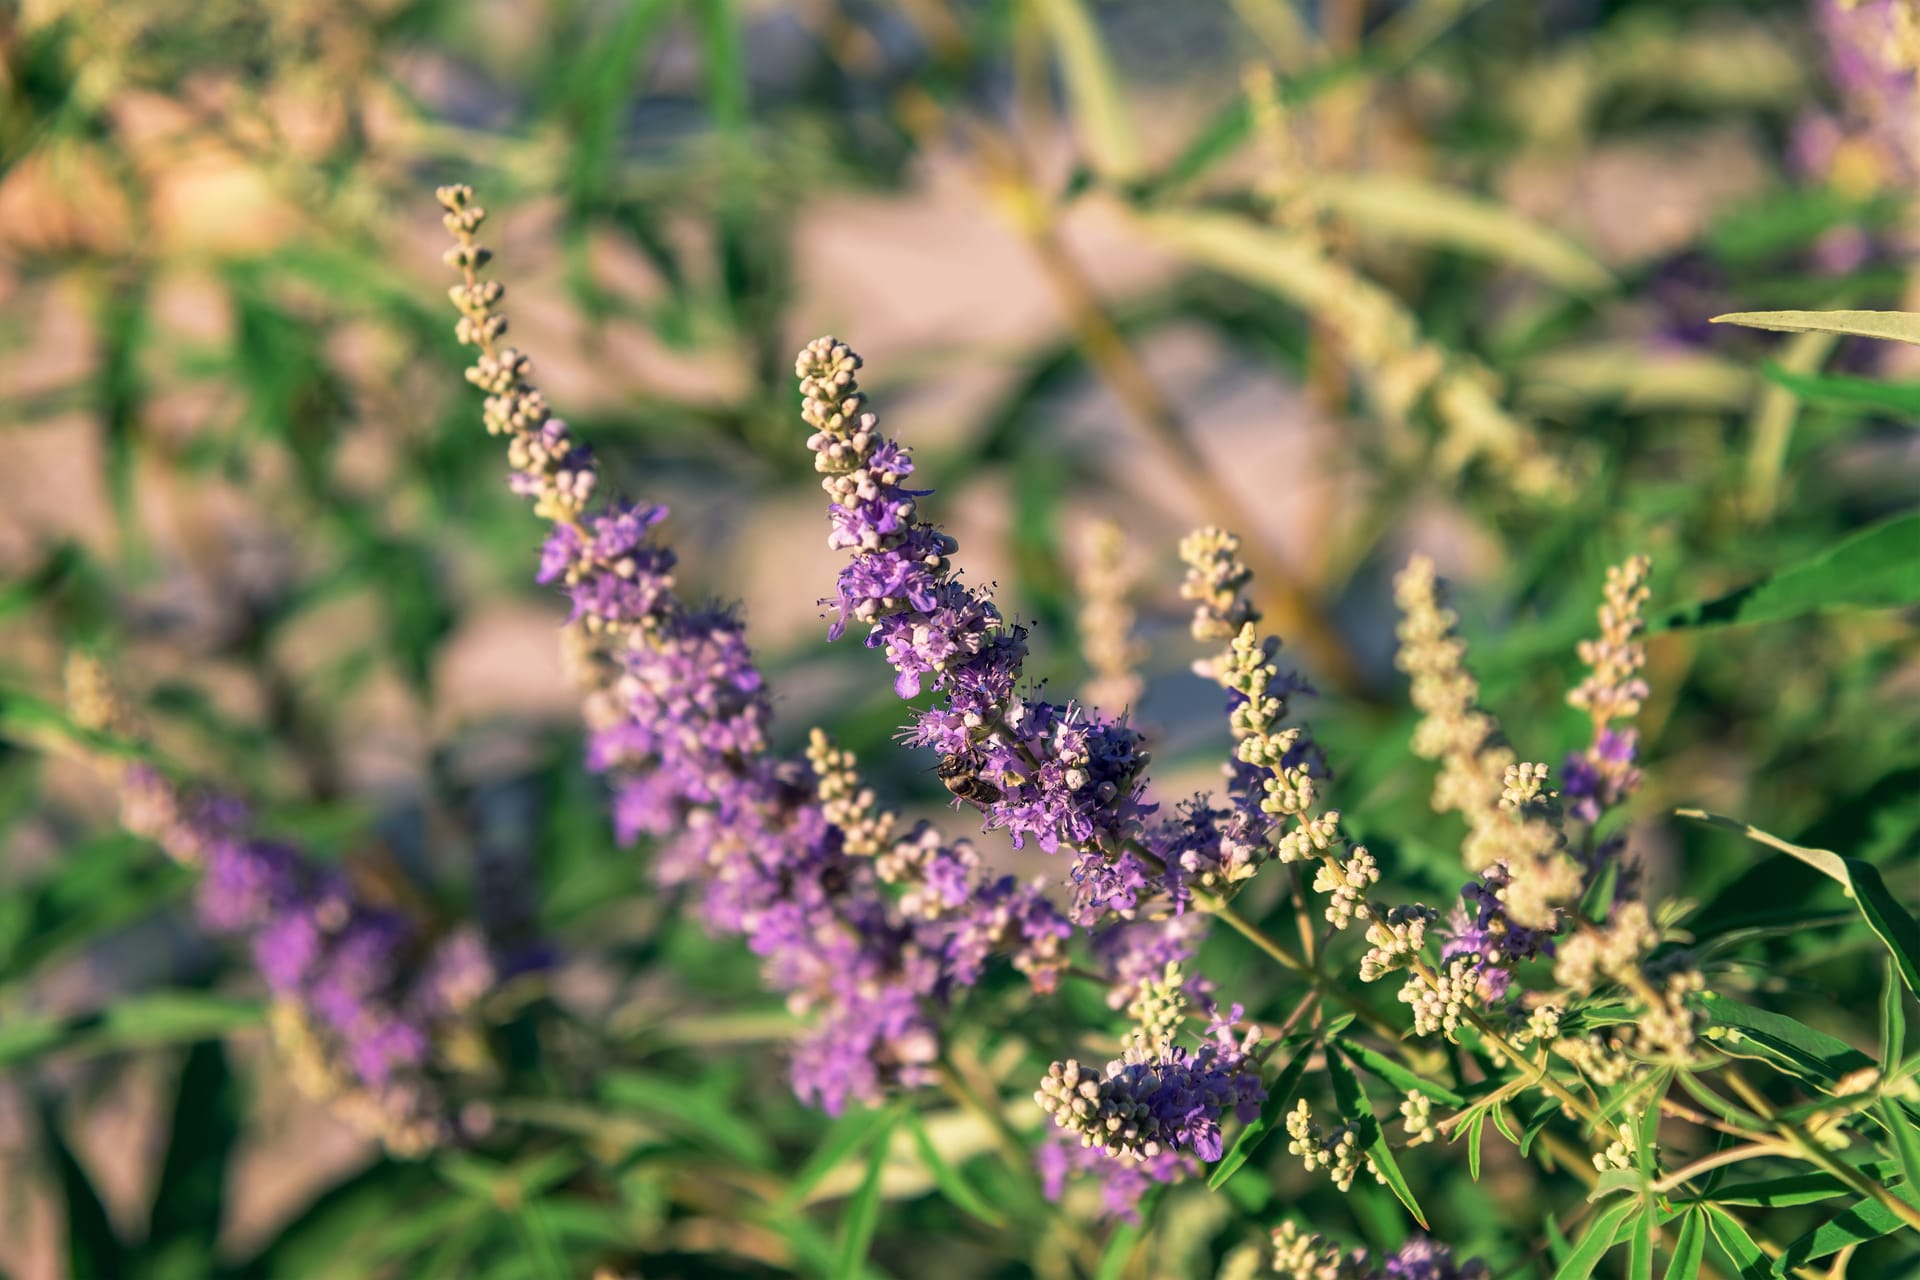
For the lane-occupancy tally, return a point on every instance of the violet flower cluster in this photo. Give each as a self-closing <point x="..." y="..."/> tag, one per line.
<point x="679" y="721"/>
<point x="1298" y="1255"/>
<point x="366" y="1002"/>
<point x="1061" y="773"/>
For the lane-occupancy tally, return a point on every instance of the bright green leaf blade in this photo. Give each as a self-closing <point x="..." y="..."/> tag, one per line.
<point x="1279" y="1095"/>
<point x="849" y="1134"/>
<point x="94" y="1250"/>
<point x="1893" y="1022"/>
<point x="1901" y="398"/>
<point x="1877" y="568"/>
<point x="1640" y="1252"/>
<point x="1866" y="1220"/>
<point x="1737" y="1244"/>
<point x="952" y="1185"/>
<point x="1814" y="1056"/>
<point x="1352" y="1098"/>
<point x="1403" y="1078"/>
<point x="1797" y="1188"/>
<point x="1601" y="1235"/>
<point x="1689" y="1247"/>
<point x="1099" y="104"/>
<point x="1905" y="1139"/>
<point x="1884" y="915"/>
<point x="183" y="1223"/>
<point x="1895" y="326"/>
<point x="863" y="1210"/>
<point x="1407" y="208"/>
<point x="1476" y="1132"/>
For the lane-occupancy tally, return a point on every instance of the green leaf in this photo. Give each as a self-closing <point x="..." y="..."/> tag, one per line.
<point x="1861" y="880"/>
<point x="1403" y="1078"/>
<point x="1866" y="1220"/>
<point x="1689" y="1247"/>
<point x="724" y="63"/>
<point x="699" y="1114"/>
<point x="1840" y="390"/>
<point x="849" y="1134"/>
<point x="94" y="1250"/>
<point x="1279" y="1095"/>
<point x="1740" y="1249"/>
<point x="1795" y="1189"/>
<point x="1877" y="568"/>
<point x="1791" y="1045"/>
<point x="183" y="1224"/>
<point x="1895" y="326"/>
<point x="863" y="1210"/>
<point x="1640" y="1253"/>
<point x="1893" y="1023"/>
<point x="1476" y="1131"/>
<point x="1600" y="1236"/>
<point x="952" y="1185"/>
<point x="1427" y="213"/>
<point x="1099" y="104"/>
<point x="1371" y="1137"/>
<point x="1906" y="1142"/>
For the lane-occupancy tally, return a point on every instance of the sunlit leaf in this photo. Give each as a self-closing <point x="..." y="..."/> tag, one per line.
<point x="1895" y="326"/>
<point x="1890" y="921"/>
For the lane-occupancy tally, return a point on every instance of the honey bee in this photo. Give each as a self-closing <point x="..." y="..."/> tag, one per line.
<point x="961" y="775"/>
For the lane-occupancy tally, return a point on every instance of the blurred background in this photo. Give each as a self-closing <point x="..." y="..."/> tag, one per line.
<point x="1354" y="278"/>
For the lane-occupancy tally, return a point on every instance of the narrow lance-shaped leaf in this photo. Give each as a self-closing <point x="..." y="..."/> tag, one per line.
<point x="1373" y="1139"/>
<point x="1877" y="568"/>
<point x="952" y="1184"/>
<point x="1099" y="104"/>
<point x="1895" y="326"/>
<point x="1279" y="1094"/>
<point x="1407" y="208"/>
<point x="1689" y="1247"/>
<point x="863" y="1210"/>
<point x="1601" y="1235"/>
<point x="1884" y="915"/>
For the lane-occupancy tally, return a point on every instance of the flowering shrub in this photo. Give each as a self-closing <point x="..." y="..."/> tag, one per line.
<point x="976" y="957"/>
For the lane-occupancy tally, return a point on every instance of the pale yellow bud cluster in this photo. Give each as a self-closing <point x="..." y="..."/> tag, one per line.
<point x="1416" y="1114"/>
<point x="1613" y="689"/>
<point x="1216" y="582"/>
<point x="1301" y="1255"/>
<point x="538" y="447"/>
<point x="1348" y="883"/>
<point x="1452" y="731"/>
<point x="391" y="1116"/>
<point x="1394" y="940"/>
<point x="1113" y="654"/>
<point x="1441" y="1004"/>
<point x="94" y="699"/>
<point x="865" y="828"/>
<point x="1337" y="1150"/>
<point x="1158" y="1008"/>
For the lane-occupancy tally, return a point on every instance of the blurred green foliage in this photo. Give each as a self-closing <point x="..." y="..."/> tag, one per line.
<point x="239" y="453"/>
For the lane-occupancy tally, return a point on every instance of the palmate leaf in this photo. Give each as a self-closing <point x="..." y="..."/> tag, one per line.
<point x="1877" y="568"/>
<point x="1861" y="880"/>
